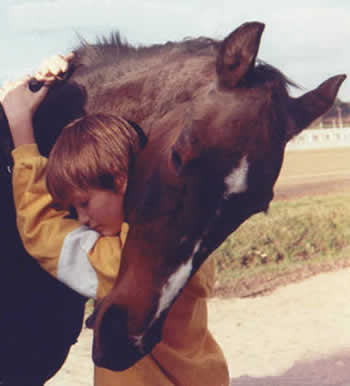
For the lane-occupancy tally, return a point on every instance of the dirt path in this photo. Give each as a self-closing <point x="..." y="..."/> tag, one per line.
<point x="298" y="335"/>
<point x="313" y="172"/>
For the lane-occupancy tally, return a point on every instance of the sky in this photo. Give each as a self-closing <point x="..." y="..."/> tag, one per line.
<point x="309" y="41"/>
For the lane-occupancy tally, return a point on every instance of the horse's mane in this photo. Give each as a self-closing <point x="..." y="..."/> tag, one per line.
<point x="271" y="73"/>
<point x="112" y="49"/>
<point x="115" y="48"/>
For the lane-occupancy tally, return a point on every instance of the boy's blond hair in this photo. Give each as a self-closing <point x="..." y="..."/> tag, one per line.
<point x="94" y="151"/>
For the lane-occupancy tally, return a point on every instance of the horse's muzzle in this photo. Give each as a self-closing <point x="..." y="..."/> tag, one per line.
<point x="113" y="348"/>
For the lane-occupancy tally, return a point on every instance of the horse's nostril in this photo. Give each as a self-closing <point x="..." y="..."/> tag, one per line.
<point x="113" y="328"/>
<point x="112" y="347"/>
<point x="91" y="320"/>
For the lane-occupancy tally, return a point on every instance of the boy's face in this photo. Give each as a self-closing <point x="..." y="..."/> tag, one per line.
<point x="100" y="209"/>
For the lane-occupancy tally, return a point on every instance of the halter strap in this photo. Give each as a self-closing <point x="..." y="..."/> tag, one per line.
<point x="142" y="136"/>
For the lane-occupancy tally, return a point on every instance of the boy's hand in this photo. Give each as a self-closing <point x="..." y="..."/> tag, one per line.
<point x="51" y="69"/>
<point x="20" y="103"/>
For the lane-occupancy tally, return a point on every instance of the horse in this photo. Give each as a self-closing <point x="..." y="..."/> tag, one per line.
<point x="217" y="121"/>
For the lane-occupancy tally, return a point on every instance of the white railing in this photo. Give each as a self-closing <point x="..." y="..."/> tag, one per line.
<point x="320" y="138"/>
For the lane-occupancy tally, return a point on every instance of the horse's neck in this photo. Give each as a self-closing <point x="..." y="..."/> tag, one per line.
<point x="147" y="93"/>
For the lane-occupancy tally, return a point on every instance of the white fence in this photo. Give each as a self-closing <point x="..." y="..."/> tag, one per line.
<point x="320" y="138"/>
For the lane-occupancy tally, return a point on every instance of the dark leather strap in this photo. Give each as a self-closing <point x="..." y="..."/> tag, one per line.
<point x="142" y="136"/>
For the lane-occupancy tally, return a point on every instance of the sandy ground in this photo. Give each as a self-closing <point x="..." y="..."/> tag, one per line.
<point x="313" y="172"/>
<point x="298" y="335"/>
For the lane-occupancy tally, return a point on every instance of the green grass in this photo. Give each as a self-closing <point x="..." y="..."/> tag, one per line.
<point x="295" y="238"/>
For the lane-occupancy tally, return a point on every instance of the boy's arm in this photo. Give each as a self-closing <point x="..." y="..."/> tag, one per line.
<point x="76" y="255"/>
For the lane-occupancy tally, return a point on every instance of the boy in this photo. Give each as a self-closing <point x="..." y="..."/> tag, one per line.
<point x="87" y="171"/>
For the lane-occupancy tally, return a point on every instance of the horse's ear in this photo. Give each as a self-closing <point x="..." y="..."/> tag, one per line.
<point x="313" y="104"/>
<point x="237" y="54"/>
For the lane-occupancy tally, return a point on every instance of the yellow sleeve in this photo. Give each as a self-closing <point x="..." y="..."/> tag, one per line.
<point x="74" y="254"/>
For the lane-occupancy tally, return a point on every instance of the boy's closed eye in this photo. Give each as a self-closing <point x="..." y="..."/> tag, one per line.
<point x="72" y="213"/>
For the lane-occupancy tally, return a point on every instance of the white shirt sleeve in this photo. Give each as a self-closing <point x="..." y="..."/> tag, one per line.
<point x="74" y="268"/>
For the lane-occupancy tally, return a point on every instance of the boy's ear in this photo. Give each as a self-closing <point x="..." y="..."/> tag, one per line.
<point x="121" y="184"/>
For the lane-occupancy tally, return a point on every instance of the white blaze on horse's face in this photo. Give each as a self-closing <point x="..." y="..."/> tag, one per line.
<point x="237" y="180"/>
<point x="174" y="284"/>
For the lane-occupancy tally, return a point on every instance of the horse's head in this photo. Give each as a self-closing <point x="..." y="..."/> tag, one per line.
<point x="192" y="189"/>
